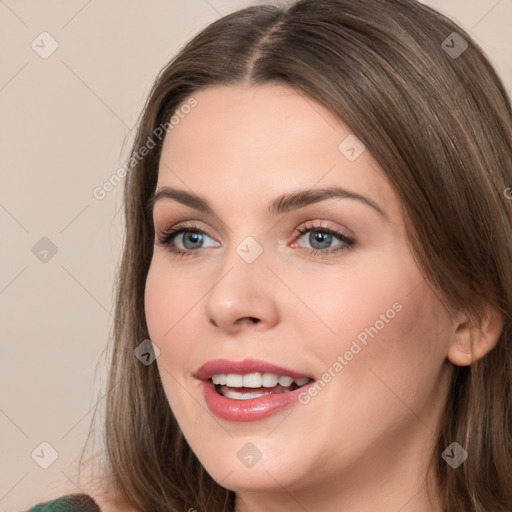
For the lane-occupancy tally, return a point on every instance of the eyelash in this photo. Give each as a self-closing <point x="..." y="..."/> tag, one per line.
<point x="168" y="236"/>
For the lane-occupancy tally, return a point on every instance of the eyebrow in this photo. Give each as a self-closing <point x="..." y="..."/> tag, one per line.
<point x="279" y="205"/>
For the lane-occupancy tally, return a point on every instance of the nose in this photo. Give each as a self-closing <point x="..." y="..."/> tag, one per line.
<point x="244" y="294"/>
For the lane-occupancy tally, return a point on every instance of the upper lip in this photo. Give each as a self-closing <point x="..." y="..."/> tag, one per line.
<point x="243" y="367"/>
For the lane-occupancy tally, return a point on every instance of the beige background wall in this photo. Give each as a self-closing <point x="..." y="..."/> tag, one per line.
<point x="66" y="123"/>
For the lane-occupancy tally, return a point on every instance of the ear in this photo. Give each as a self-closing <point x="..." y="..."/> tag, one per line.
<point x="473" y="339"/>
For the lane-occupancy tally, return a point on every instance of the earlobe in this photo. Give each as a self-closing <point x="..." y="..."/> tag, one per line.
<point x="472" y="340"/>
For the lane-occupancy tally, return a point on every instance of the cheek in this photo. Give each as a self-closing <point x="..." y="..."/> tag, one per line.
<point x="167" y="301"/>
<point x="377" y="321"/>
<point x="354" y="302"/>
<point x="166" y="317"/>
<point x="390" y="364"/>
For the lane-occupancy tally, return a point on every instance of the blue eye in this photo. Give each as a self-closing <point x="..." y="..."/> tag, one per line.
<point x="321" y="238"/>
<point x="192" y="238"/>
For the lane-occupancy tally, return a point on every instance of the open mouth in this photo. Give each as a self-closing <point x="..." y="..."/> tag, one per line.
<point x="255" y="385"/>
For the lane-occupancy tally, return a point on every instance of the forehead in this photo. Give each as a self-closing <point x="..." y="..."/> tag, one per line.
<point x="252" y="121"/>
<point x="265" y="139"/>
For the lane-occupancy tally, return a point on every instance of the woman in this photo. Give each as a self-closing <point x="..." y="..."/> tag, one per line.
<point x="320" y="251"/>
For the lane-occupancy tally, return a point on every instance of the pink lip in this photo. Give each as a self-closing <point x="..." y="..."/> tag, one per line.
<point x="246" y="410"/>
<point x="242" y="367"/>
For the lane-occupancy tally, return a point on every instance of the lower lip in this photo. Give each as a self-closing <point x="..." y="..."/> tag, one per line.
<point x="253" y="409"/>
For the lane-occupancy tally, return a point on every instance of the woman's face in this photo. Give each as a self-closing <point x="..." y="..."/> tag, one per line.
<point x="342" y="306"/>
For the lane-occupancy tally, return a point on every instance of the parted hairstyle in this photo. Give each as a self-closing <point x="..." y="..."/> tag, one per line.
<point x="440" y="126"/>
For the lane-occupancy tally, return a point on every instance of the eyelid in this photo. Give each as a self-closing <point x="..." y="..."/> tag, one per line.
<point x="175" y="228"/>
<point x="318" y="224"/>
<point x="167" y="218"/>
<point x="305" y="225"/>
<point x="191" y="224"/>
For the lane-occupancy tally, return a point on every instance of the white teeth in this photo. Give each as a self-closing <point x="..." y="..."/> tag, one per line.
<point x="234" y="381"/>
<point x="285" y="381"/>
<point x="252" y="380"/>
<point x="256" y="380"/>
<point x="236" y="395"/>
<point x="219" y="379"/>
<point x="269" y="380"/>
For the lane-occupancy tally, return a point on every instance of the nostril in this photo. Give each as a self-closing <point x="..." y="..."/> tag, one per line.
<point x="250" y="319"/>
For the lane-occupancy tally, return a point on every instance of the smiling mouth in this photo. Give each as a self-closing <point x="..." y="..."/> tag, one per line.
<point x="255" y="385"/>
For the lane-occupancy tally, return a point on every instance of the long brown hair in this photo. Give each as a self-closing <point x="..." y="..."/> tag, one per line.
<point x="439" y="123"/>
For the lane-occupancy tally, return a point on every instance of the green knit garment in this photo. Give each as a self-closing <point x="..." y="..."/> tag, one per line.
<point x="68" y="503"/>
